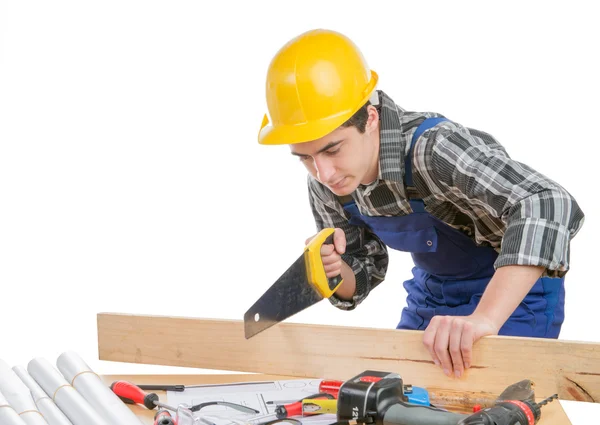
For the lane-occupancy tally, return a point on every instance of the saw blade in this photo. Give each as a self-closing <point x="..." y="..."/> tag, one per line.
<point x="290" y="294"/>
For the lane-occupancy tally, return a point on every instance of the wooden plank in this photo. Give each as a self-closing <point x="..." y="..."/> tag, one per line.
<point x="571" y="369"/>
<point x="552" y="414"/>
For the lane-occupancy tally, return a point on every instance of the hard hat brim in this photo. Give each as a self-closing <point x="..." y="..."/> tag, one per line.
<point x="311" y="130"/>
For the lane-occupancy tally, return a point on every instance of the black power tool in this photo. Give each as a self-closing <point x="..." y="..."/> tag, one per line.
<point x="383" y="403"/>
<point x="509" y="412"/>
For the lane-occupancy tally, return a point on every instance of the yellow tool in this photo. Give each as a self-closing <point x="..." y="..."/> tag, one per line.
<point x="316" y="406"/>
<point x="315" y="82"/>
<point x="303" y="284"/>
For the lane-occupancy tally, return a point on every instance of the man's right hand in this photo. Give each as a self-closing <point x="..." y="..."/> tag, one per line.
<point x="331" y="254"/>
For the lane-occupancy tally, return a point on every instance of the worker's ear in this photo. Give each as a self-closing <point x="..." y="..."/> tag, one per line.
<point x="372" y="120"/>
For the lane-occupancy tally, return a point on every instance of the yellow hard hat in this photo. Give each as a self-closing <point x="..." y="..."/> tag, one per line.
<point x="315" y="82"/>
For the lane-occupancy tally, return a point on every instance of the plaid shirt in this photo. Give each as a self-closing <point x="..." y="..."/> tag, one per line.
<point x="466" y="179"/>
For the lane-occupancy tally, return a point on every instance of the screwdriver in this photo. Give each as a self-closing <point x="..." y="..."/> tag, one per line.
<point x="132" y="394"/>
<point x="159" y="387"/>
<point x="284" y="411"/>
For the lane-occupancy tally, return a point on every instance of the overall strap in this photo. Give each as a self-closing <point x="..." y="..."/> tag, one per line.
<point x="417" y="204"/>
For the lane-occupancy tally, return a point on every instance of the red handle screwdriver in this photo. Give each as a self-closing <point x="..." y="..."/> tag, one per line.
<point x="132" y="394"/>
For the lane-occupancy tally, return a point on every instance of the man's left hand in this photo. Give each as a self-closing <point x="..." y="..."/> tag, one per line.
<point x="450" y="340"/>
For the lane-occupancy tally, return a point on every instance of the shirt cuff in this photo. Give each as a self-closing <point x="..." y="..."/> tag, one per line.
<point x="536" y="242"/>
<point x="361" y="286"/>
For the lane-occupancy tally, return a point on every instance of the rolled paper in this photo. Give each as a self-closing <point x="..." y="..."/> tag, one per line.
<point x="73" y="405"/>
<point x="19" y="396"/>
<point x="8" y="415"/>
<point x="96" y="392"/>
<point x="50" y="411"/>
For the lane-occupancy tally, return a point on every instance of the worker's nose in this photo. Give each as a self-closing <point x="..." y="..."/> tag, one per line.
<point x="325" y="169"/>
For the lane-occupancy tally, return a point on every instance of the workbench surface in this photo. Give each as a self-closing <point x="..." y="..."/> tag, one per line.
<point x="552" y="414"/>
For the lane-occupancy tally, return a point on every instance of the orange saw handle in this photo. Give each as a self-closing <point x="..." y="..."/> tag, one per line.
<point x="315" y="271"/>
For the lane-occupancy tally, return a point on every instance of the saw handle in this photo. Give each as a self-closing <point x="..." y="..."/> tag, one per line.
<point x="314" y="263"/>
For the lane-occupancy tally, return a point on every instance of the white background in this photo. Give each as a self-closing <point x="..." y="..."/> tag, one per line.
<point x="131" y="179"/>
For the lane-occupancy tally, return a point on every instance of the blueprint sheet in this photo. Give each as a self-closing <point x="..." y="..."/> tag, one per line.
<point x="263" y="396"/>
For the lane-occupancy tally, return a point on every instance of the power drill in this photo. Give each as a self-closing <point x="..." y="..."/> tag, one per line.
<point x="509" y="412"/>
<point x="384" y="403"/>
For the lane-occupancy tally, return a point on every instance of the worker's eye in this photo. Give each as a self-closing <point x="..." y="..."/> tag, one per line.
<point x="303" y="158"/>
<point x="332" y="152"/>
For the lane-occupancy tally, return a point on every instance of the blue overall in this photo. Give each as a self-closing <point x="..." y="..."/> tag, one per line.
<point x="451" y="271"/>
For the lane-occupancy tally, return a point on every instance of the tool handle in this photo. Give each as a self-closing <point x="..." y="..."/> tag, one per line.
<point x="288" y="410"/>
<point x="335" y="281"/>
<point x="317" y="406"/>
<point x="412" y="414"/>
<point x="330" y="386"/>
<point x="297" y="408"/>
<point x="316" y="271"/>
<point x="149" y="387"/>
<point x="163" y="417"/>
<point x="132" y="394"/>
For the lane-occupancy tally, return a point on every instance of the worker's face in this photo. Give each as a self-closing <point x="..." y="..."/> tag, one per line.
<point x="344" y="158"/>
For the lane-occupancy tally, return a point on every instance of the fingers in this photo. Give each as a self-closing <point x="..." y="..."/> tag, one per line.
<point x="332" y="261"/>
<point x="449" y="341"/>
<point x="327" y="251"/>
<point x="331" y="253"/>
<point x="429" y="339"/>
<point x="455" y="347"/>
<point x="339" y="240"/>
<point x="333" y="270"/>
<point x="466" y="343"/>
<point x="440" y="345"/>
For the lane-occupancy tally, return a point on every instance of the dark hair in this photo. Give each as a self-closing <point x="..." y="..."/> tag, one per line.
<point x="359" y="119"/>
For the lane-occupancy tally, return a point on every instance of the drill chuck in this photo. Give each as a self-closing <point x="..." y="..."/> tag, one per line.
<point x="509" y="412"/>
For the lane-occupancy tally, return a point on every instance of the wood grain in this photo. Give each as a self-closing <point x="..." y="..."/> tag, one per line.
<point x="571" y="369"/>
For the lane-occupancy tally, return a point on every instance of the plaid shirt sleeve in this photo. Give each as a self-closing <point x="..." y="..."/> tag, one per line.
<point x="365" y="253"/>
<point x="475" y="172"/>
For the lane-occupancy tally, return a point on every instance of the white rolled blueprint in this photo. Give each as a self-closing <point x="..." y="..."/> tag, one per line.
<point x="8" y="416"/>
<point x="96" y="392"/>
<point x="19" y="396"/>
<point x="73" y="405"/>
<point x="50" y="411"/>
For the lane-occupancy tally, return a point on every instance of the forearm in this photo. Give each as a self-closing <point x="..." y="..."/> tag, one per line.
<point x="365" y="259"/>
<point x="506" y="290"/>
<point x="348" y="287"/>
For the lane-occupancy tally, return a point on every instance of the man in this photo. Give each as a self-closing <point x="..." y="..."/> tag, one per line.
<point x="489" y="236"/>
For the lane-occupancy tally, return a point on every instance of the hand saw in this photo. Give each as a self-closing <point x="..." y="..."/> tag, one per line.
<point x="303" y="284"/>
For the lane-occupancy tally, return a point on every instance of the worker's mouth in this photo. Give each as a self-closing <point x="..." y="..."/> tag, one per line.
<point x="339" y="185"/>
